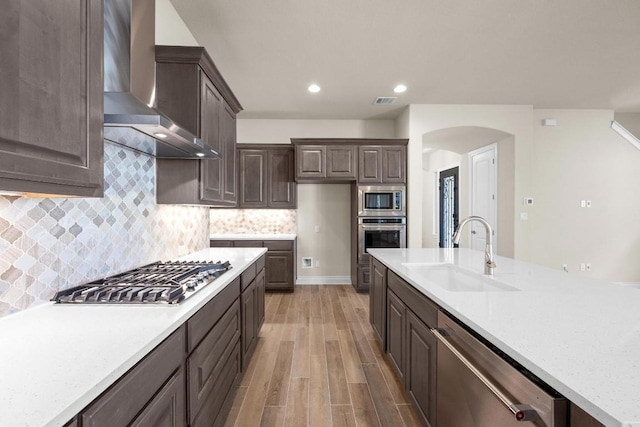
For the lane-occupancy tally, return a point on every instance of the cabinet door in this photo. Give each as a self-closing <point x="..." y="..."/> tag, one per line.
<point x="120" y="405"/>
<point x="310" y="161"/>
<point x="378" y="301"/>
<point x="281" y="182"/>
<point x="420" y="367"/>
<point x="249" y="301"/>
<point x="260" y="289"/>
<point x="229" y="161"/>
<point x="369" y="163"/>
<point x="167" y="409"/>
<point x="396" y="314"/>
<point x="394" y="164"/>
<point x="341" y="162"/>
<point x="279" y="270"/>
<point x="51" y="81"/>
<point x="253" y="175"/>
<point x="211" y="171"/>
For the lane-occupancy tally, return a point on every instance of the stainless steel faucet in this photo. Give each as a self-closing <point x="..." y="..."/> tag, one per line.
<point x="489" y="264"/>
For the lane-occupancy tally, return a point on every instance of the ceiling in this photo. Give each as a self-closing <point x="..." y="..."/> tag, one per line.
<point x="545" y="53"/>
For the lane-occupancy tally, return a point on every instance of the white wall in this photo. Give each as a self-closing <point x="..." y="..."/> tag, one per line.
<point x="512" y="119"/>
<point x="583" y="159"/>
<point x="170" y="28"/>
<point x="326" y="205"/>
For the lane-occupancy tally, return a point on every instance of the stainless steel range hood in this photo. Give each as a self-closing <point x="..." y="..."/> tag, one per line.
<point x="130" y="118"/>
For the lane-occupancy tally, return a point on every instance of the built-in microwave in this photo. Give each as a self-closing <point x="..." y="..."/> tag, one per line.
<point x="382" y="200"/>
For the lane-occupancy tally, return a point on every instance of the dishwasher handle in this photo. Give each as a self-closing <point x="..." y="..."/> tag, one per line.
<point x="520" y="412"/>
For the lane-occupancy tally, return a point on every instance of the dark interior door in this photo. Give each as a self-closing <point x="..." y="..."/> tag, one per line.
<point x="449" y="206"/>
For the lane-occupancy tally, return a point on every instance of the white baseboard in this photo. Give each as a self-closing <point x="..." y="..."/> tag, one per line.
<point x="324" y="280"/>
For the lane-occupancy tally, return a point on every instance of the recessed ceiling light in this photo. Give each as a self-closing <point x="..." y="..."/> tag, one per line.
<point x="200" y="154"/>
<point x="399" y="88"/>
<point x="313" y="88"/>
<point x="160" y="135"/>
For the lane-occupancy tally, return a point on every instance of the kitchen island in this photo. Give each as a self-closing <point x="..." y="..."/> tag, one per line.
<point x="580" y="336"/>
<point x="57" y="358"/>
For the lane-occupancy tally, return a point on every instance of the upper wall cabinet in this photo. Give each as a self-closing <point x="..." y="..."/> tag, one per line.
<point x="351" y="159"/>
<point x="191" y="90"/>
<point x="51" y="81"/>
<point x="382" y="164"/>
<point x="266" y="175"/>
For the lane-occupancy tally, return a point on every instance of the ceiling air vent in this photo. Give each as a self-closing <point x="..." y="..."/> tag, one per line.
<point x="385" y="100"/>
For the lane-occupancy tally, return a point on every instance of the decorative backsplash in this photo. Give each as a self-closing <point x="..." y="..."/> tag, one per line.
<point x="52" y="244"/>
<point x="253" y="221"/>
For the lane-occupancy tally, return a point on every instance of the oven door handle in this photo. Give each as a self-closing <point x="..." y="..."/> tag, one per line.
<point x="519" y="411"/>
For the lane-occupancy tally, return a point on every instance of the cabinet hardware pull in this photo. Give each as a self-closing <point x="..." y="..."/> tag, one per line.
<point x="519" y="411"/>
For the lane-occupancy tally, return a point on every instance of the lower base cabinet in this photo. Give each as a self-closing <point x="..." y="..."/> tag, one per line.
<point x="411" y="347"/>
<point x="191" y="378"/>
<point x="280" y="261"/>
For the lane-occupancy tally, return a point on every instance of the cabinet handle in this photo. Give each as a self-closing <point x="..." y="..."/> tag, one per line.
<point x="520" y="412"/>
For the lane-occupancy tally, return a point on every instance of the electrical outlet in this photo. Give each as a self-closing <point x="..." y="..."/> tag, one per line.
<point x="317" y="264"/>
<point x="583" y="267"/>
<point x="583" y="203"/>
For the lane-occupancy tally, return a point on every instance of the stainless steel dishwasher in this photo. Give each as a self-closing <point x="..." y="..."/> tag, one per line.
<point x="478" y="388"/>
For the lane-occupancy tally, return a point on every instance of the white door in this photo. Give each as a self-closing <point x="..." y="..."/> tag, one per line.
<point x="484" y="194"/>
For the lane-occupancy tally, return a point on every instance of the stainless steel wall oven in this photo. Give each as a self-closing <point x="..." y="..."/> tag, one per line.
<point x="378" y="232"/>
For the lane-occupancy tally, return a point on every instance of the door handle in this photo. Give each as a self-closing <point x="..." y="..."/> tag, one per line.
<point x="473" y="231"/>
<point x="519" y="411"/>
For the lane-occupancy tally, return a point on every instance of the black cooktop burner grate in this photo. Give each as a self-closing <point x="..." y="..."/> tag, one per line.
<point x="159" y="282"/>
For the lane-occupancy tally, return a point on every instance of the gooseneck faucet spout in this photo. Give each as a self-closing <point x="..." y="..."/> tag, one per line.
<point x="489" y="263"/>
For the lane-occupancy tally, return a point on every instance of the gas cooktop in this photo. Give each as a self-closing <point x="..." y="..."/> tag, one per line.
<point x="157" y="283"/>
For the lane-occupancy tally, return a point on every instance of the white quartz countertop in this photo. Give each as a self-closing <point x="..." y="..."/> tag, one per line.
<point x="580" y="336"/>
<point x="242" y="236"/>
<point x="55" y="359"/>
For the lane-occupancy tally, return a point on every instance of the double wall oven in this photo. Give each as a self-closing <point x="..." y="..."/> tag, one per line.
<point x="382" y="219"/>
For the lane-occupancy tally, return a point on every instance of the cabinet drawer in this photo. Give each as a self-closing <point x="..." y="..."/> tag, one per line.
<point x="279" y="245"/>
<point x="247" y="243"/>
<point x="207" y="361"/>
<point x="220" y="243"/>
<point x="422" y="306"/>
<point x="202" y="322"/>
<point x="119" y="405"/>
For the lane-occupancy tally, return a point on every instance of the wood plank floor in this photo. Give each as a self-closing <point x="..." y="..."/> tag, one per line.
<point x="317" y="363"/>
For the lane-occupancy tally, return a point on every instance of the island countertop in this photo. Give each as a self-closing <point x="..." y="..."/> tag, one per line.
<point x="579" y="335"/>
<point x="55" y="359"/>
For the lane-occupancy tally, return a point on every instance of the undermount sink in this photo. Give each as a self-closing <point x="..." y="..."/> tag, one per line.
<point x="456" y="279"/>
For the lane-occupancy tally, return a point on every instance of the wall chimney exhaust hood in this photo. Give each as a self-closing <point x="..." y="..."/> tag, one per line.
<point x="130" y="118"/>
<point x="627" y="125"/>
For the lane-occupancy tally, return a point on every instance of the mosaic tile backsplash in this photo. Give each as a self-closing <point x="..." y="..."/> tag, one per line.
<point x="253" y="221"/>
<point x="52" y="244"/>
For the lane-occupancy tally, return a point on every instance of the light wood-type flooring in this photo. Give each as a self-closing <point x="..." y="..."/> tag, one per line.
<point x="317" y="363"/>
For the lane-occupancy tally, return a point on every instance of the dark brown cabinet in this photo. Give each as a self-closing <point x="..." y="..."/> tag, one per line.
<point x="148" y="389"/>
<point x="382" y="164"/>
<point x="341" y="161"/>
<point x="411" y="347"/>
<point x="420" y="366"/>
<point x="192" y="92"/>
<point x="51" y="80"/>
<point x="280" y="261"/>
<point x="191" y="377"/>
<point x="332" y="161"/>
<point x="378" y="301"/>
<point x="266" y="176"/>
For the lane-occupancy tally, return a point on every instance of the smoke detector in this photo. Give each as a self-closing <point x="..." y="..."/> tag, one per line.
<point x="385" y="100"/>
